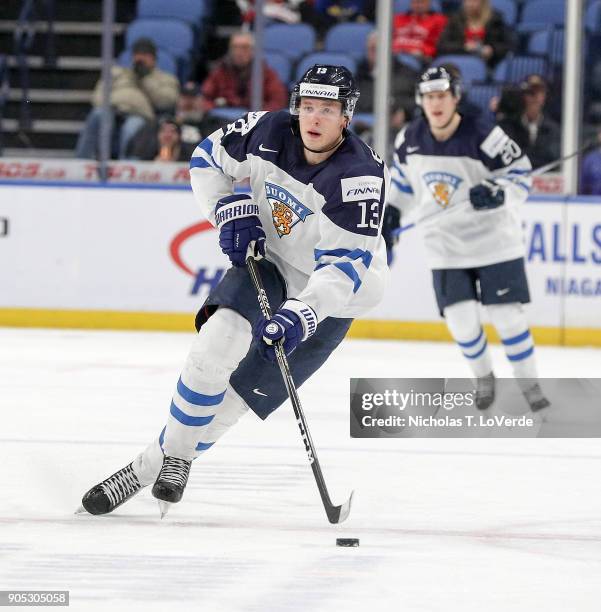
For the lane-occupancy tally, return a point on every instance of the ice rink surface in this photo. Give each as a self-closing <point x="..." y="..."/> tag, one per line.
<point x="445" y="525"/>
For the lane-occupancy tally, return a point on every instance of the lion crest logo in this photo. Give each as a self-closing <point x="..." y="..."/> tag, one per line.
<point x="286" y="209"/>
<point x="442" y="185"/>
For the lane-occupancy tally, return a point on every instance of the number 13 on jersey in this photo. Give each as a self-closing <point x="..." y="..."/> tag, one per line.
<point x="370" y="215"/>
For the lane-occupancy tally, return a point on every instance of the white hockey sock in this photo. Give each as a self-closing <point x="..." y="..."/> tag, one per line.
<point x="463" y="321"/>
<point x="221" y="344"/>
<point x="512" y="326"/>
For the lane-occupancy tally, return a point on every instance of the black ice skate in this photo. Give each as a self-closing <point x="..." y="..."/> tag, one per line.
<point x="535" y="398"/>
<point x="485" y="391"/>
<point x="171" y="482"/>
<point x="112" y="492"/>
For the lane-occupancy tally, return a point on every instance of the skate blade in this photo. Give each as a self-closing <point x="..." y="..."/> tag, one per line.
<point x="163" y="507"/>
<point x="81" y="510"/>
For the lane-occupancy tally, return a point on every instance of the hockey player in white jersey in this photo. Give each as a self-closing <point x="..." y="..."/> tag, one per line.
<point x="313" y="220"/>
<point x="464" y="183"/>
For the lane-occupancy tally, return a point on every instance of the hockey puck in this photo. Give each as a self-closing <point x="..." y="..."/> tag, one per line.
<point x="348" y="542"/>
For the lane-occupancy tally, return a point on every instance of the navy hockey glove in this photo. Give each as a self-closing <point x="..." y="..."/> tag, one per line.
<point x="237" y="218"/>
<point x="487" y="195"/>
<point x="293" y="322"/>
<point x="392" y="222"/>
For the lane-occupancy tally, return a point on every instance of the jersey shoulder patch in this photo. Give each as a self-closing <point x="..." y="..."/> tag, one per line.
<point x="495" y="142"/>
<point x="358" y="188"/>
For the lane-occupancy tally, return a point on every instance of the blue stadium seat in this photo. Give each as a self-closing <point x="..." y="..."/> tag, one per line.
<point x="294" y="40"/>
<point x="481" y="94"/>
<point x="191" y="11"/>
<point x="363" y="118"/>
<point x="281" y="64"/>
<point x="472" y="68"/>
<point x="592" y="17"/>
<point x="514" y="69"/>
<point x="165" y="61"/>
<point x="507" y="8"/>
<point x="338" y="59"/>
<point x="548" y="42"/>
<point x="410" y="61"/>
<point x="348" y="38"/>
<point x="171" y="34"/>
<point x="402" y="6"/>
<point x="537" y="14"/>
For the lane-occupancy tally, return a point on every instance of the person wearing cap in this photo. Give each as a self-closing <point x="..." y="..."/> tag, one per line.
<point x="312" y="223"/>
<point x="463" y="181"/>
<point x="138" y="95"/>
<point x="538" y="135"/>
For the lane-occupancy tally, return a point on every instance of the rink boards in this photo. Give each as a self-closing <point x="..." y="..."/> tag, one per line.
<point x="135" y="257"/>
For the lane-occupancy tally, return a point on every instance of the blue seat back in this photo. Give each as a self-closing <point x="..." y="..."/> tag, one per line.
<point x="281" y="64"/>
<point x="294" y="40"/>
<point x="514" y="69"/>
<point x="537" y="14"/>
<point x="548" y="42"/>
<point x="191" y="11"/>
<point x="348" y="38"/>
<point x="173" y="35"/>
<point x="507" y="8"/>
<point x="472" y="68"/>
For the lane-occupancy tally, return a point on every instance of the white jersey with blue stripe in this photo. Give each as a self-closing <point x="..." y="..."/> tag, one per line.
<point x="431" y="182"/>
<point x="322" y="222"/>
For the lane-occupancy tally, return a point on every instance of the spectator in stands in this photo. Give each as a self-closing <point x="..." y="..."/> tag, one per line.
<point x="193" y="123"/>
<point x="590" y="174"/>
<point x="283" y="11"/>
<point x="402" y="103"/>
<point x="417" y="31"/>
<point x="535" y="132"/>
<point x="229" y="83"/>
<point x="331" y="12"/>
<point x="165" y="143"/>
<point x="138" y="95"/>
<point x="476" y="29"/>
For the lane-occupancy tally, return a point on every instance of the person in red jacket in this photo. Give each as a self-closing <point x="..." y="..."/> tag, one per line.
<point x="229" y="83"/>
<point x="417" y="31"/>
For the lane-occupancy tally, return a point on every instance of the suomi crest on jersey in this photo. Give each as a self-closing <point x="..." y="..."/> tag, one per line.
<point x="286" y="209"/>
<point x="442" y="185"/>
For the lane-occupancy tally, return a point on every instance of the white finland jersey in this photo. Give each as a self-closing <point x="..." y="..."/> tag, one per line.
<point x="431" y="182"/>
<point x="322" y="222"/>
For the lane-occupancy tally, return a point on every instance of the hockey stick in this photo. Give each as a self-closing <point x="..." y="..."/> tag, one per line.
<point x="532" y="172"/>
<point x="336" y="514"/>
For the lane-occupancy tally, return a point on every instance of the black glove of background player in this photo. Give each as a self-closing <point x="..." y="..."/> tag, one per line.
<point x="392" y="222"/>
<point x="487" y="195"/>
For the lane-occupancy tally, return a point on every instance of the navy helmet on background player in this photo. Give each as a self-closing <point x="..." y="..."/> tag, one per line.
<point x="437" y="78"/>
<point x="329" y="82"/>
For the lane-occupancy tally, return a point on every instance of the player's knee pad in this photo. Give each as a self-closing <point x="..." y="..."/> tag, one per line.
<point x="220" y="345"/>
<point x="463" y="320"/>
<point x="508" y="319"/>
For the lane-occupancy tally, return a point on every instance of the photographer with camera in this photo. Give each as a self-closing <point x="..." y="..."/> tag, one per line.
<point x="138" y="95"/>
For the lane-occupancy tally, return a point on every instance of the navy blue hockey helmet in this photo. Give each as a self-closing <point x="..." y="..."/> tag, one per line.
<point x="329" y="82"/>
<point x="438" y="78"/>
